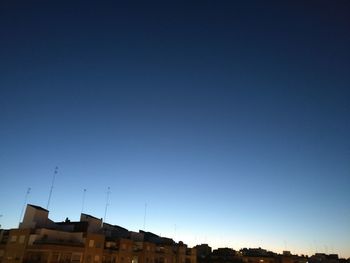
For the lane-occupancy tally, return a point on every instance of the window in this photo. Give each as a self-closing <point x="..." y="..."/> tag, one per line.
<point x="13" y="239"/>
<point x="91" y="242"/>
<point x="66" y="257"/>
<point x="31" y="239"/>
<point x="55" y="257"/>
<point x="96" y="258"/>
<point x="76" y="257"/>
<point x="21" y="239"/>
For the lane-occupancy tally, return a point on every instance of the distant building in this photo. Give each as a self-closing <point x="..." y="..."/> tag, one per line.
<point x="40" y="240"/>
<point x="224" y="255"/>
<point x="288" y="257"/>
<point x="324" y="258"/>
<point x="203" y="250"/>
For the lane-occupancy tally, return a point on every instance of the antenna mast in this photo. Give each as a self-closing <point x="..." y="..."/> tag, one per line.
<point x="52" y="184"/>
<point x="144" y="218"/>
<point x="24" y="204"/>
<point x="107" y="203"/>
<point x="83" y="202"/>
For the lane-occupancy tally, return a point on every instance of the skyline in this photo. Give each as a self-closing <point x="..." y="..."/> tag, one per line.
<point x="229" y="120"/>
<point x="103" y="224"/>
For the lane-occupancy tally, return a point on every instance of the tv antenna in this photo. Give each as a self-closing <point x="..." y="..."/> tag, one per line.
<point x="83" y="202"/>
<point x="24" y="204"/>
<point x="52" y="184"/>
<point x="107" y="203"/>
<point x="144" y="218"/>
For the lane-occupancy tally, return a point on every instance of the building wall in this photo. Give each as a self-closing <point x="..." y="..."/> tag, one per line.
<point x="34" y="217"/>
<point x="94" y="248"/>
<point x="50" y="253"/>
<point x="16" y="245"/>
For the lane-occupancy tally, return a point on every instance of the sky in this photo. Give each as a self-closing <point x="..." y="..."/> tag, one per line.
<point x="219" y="122"/>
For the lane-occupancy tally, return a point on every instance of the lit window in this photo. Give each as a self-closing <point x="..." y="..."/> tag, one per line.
<point x="91" y="243"/>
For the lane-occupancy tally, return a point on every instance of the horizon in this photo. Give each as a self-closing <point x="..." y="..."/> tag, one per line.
<point x="230" y="120"/>
<point x="176" y="241"/>
<point x="190" y="244"/>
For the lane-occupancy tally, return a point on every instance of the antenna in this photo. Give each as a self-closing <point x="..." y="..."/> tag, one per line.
<point x="107" y="203"/>
<point x="315" y="246"/>
<point x="24" y="204"/>
<point x="53" y="181"/>
<point x="144" y="218"/>
<point x="83" y="202"/>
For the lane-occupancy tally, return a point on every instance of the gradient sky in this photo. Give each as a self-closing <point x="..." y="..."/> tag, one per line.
<point x="230" y="120"/>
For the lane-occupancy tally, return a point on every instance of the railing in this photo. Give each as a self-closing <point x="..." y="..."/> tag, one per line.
<point x="58" y="242"/>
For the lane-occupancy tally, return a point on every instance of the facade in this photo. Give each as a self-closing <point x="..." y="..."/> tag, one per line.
<point x="90" y="240"/>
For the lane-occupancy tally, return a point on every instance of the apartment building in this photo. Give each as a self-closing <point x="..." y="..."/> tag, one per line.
<point x="40" y="240"/>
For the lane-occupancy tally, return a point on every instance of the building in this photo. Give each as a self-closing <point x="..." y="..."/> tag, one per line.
<point x="324" y="258"/>
<point x="40" y="240"/>
<point x="203" y="251"/>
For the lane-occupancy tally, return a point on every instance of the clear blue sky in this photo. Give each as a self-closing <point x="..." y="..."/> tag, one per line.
<point x="231" y="121"/>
